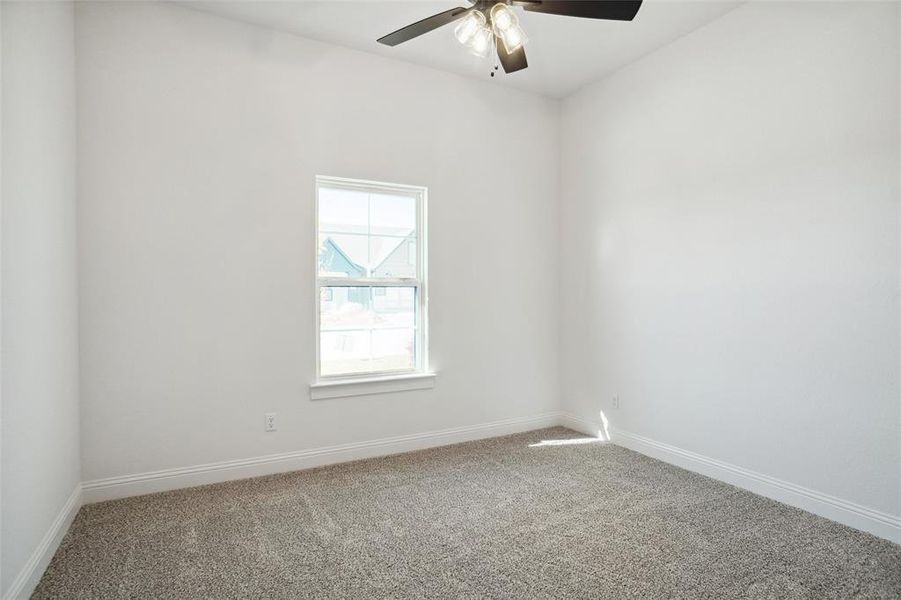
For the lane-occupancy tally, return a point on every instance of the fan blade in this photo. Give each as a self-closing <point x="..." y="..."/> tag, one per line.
<point x="615" y="10"/>
<point x="420" y="27"/>
<point x="514" y="61"/>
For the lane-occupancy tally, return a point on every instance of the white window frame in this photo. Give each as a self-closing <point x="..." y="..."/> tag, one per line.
<point x="329" y="386"/>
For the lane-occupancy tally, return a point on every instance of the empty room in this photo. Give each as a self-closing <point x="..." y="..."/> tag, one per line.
<point x="508" y="299"/>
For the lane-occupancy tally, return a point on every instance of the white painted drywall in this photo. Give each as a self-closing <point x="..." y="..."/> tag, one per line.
<point x="730" y="246"/>
<point x="199" y="140"/>
<point x="40" y="420"/>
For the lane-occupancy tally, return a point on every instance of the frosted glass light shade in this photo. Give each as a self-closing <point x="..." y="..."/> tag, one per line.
<point x="502" y="18"/>
<point x="469" y="26"/>
<point x="480" y="43"/>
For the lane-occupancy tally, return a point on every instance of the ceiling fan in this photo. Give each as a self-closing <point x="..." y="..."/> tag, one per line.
<point x="493" y="23"/>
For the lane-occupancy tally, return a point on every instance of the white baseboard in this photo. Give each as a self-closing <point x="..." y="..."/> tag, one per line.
<point x="848" y="513"/>
<point x="24" y="583"/>
<point x="170" y="479"/>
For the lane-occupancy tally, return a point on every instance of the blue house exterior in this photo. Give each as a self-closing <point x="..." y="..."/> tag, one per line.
<point x="333" y="260"/>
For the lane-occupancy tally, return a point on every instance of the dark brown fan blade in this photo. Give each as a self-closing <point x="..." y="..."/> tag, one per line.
<point x="615" y="10"/>
<point x="515" y="61"/>
<point x="420" y="27"/>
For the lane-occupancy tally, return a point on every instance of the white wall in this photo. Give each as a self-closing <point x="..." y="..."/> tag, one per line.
<point x="199" y="140"/>
<point x="729" y="232"/>
<point x="40" y="423"/>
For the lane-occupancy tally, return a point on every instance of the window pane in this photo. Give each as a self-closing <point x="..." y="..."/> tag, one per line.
<point x="344" y="308"/>
<point x="343" y="255"/>
<point x="344" y="352"/>
<point x="343" y="211"/>
<point x="361" y="256"/>
<point x="366" y="234"/>
<point x="393" y="349"/>
<point x="373" y="351"/>
<point x="392" y="215"/>
<point x="390" y="256"/>
<point x="394" y="306"/>
<point x="367" y="329"/>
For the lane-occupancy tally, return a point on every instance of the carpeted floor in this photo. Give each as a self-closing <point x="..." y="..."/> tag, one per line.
<point x="511" y="517"/>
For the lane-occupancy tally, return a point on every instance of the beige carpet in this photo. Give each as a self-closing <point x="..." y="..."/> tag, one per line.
<point x="511" y="517"/>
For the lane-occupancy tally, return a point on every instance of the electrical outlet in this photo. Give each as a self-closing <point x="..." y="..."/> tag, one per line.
<point x="270" y="422"/>
<point x="616" y="401"/>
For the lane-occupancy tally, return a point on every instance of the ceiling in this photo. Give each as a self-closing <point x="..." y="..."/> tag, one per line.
<point x="564" y="53"/>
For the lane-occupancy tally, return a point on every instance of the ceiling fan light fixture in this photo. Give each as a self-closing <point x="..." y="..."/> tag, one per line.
<point x="506" y="27"/>
<point x="502" y="18"/>
<point x="483" y="30"/>
<point x="513" y="38"/>
<point x="480" y="43"/>
<point x="469" y="27"/>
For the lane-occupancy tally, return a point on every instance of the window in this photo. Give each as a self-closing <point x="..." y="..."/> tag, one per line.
<point x="371" y="308"/>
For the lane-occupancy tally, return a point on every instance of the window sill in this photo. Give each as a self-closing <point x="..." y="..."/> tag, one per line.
<point x="377" y="385"/>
